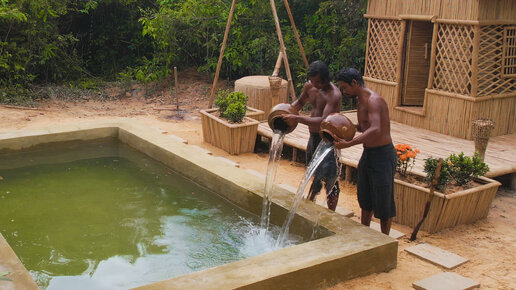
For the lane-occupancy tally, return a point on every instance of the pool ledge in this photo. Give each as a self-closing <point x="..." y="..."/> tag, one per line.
<point x="352" y="251"/>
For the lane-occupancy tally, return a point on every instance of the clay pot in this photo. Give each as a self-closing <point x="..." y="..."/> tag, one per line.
<point x="336" y="125"/>
<point x="275" y="120"/>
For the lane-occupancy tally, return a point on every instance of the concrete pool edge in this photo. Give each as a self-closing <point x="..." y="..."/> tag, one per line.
<point x="309" y="265"/>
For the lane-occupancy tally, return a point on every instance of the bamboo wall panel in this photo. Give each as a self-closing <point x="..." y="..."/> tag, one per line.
<point x="443" y="114"/>
<point x="501" y="110"/>
<point x="388" y="92"/>
<point x="453" y="70"/>
<point x="382" y="55"/>
<point x="446" y="9"/>
<point x="490" y="80"/>
<point x="497" y="9"/>
<point x="459" y="9"/>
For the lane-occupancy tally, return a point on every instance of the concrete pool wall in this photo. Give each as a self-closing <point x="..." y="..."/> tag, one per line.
<point x="348" y="250"/>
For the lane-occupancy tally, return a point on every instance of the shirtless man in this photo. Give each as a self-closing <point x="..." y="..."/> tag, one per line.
<point x="325" y="98"/>
<point x="376" y="168"/>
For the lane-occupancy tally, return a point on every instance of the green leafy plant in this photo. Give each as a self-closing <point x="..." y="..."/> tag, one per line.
<point x="221" y="100"/>
<point x="235" y="112"/>
<point x="464" y="168"/>
<point x="444" y="177"/>
<point x="459" y="169"/>
<point x="232" y="106"/>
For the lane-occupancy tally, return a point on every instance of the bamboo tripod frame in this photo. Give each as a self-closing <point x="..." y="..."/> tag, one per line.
<point x="282" y="54"/>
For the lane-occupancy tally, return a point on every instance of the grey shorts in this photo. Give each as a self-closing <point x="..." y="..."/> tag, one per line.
<point x="375" y="187"/>
<point x="328" y="170"/>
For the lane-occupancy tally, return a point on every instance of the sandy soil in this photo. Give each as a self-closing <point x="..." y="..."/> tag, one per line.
<point x="490" y="244"/>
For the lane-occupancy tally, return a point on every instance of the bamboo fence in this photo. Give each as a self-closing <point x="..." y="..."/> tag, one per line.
<point x="232" y="138"/>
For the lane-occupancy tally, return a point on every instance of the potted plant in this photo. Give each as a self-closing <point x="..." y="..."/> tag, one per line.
<point x="227" y="126"/>
<point x="250" y="112"/>
<point x="461" y="195"/>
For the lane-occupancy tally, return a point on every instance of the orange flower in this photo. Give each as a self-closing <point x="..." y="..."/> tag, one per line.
<point x="403" y="157"/>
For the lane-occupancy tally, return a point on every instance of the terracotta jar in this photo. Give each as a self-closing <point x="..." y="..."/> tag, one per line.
<point x="276" y="121"/>
<point x="337" y="125"/>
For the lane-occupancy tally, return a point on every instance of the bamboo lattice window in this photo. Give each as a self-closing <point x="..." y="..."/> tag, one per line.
<point x="454" y="55"/>
<point x="509" y="52"/>
<point x="382" y="55"/>
<point x="490" y="59"/>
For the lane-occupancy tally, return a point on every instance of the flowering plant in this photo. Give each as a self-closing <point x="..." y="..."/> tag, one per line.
<point x="406" y="157"/>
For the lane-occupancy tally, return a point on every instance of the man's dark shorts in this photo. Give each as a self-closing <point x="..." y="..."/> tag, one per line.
<point x="327" y="171"/>
<point x="375" y="188"/>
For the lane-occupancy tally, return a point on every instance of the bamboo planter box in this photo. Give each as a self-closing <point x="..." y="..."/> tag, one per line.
<point x="232" y="138"/>
<point x="256" y="114"/>
<point x="446" y="210"/>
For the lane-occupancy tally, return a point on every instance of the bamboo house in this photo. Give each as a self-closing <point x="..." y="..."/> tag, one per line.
<point x="441" y="64"/>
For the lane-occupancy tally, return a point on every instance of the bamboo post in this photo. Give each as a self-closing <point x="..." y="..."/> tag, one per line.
<point x="437" y="173"/>
<point x="367" y="47"/>
<point x="296" y="34"/>
<point x="399" y="65"/>
<point x="474" y="62"/>
<point x="278" y="65"/>
<point x="283" y="50"/>
<point x="433" y="54"/>
<point x="176" y="88"/>
<point x="230" y="17"/>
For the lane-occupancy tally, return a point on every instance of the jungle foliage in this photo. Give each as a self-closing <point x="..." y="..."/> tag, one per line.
<point x="71" y="42"/>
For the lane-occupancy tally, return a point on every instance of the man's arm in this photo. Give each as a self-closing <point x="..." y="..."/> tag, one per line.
<point x="303" y="98"/>
<point x="332" y="105"/>
<point x="373" y="115"/>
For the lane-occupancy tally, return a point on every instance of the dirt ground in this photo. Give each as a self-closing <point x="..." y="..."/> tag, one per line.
<point x="489" y="244"/>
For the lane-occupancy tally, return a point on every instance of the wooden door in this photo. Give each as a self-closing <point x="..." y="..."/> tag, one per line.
<point x="417" y="62"/>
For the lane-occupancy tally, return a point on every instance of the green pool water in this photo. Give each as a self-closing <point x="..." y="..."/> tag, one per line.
<point x="116" y="221"/>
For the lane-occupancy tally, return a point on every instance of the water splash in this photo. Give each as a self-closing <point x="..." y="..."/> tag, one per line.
<point x="274" y="156"/>
<point x="322" y="150"/>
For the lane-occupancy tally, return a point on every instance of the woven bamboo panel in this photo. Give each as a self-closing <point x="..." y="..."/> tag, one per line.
<point x="458" y="208"/>
<point x="490" y="80"/>
<point x="382" y="55"/>
<point x="453" y="59"/>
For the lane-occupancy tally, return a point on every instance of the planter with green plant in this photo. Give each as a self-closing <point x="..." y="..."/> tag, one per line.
<point x="227" y="126"/>
<point x="462" y="195"/>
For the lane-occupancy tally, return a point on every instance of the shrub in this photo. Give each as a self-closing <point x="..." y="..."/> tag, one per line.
<point x="221" y="101"/>
<point x="406" y="158"/>
<point x="464" y="168"/>
<point x="459" y="169"/>
<point x="232" y="106"/>
<point x="444" y="177"/>
<point x="235" y="112"/>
